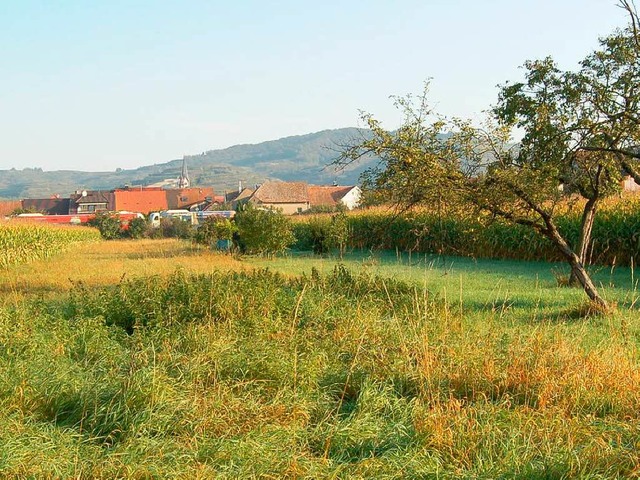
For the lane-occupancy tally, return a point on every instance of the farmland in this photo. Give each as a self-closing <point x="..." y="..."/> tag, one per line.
<point x="157" y="359"/>
<point x="21" y="243"/>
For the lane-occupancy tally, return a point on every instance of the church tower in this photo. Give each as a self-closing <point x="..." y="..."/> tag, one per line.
<point x="183" y="179"/>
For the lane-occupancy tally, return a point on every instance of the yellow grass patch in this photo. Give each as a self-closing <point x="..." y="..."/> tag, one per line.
<point x="104" y="263"/>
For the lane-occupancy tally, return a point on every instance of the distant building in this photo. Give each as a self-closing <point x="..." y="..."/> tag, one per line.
<point x="628" y="184"/>
<point x="91" y="201"/>
<point x="297" y="197"/>
<point x="183" y="179"/>
<point x="290" y="197"/>
<point x="186" y="197"/>
<point x="331" y="196"/>
<point x="140" y="199"/>
<point x="48" y="206"/>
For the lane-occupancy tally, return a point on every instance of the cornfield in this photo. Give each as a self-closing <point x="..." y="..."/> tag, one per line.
<point x="24" y="242"/>
<point x="616" y="233"/>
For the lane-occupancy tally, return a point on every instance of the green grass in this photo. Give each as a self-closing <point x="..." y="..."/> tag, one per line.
<point x="386" y="367"/>
<point x="524" y="290"/>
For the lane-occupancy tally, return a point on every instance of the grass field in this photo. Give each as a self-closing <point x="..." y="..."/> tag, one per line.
<point x="153" y="359"/>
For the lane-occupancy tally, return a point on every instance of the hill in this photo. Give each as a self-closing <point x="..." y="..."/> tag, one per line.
<point x="301" y="158"/>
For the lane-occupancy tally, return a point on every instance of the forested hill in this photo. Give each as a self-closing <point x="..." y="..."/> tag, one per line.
<point x="302" y="157"/>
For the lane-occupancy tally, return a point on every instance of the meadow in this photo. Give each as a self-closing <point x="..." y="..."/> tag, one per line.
<point x="158" y="359"/>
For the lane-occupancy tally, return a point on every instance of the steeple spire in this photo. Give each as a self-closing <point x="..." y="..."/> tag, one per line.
<point x="183" y="180"/>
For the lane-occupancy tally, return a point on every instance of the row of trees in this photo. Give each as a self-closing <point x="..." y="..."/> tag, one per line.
<point x="580" y="134"/>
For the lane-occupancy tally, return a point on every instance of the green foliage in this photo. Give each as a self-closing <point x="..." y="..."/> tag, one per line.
<point x="175" y="228"/>
<point x="337" y="375"/>
<point x="19" y="211"/>
<point x="322" y="234"/>
<point x="615" y="231"/>
<point x="138" y="228"/>
<point x="214" y="229"/>
<point x="263" y="232"/>
<point x="108" y="224"/>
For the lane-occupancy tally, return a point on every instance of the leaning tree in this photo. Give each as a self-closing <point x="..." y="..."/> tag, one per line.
<point x="579" y="133"/>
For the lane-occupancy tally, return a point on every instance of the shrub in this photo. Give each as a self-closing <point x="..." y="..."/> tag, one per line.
<point x="175" y="228"/>
<point x="263" y="231"/>
<point x="323" y="234"/>
<point x="214" y="229"/>
<point x="108" y="224"/>
<point x="138" y="228"/>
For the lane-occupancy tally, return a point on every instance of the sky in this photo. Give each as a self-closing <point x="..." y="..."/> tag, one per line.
<point x="99" y="85"/>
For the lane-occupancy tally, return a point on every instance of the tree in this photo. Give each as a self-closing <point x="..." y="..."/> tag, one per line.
<point x="431" y="158"/>
<point x="609" y="80"/>
<point x="215" y="229"/>
<point x="108" y="224"/>
<point x="552" y="110"/>
<point x="264" y="232"/>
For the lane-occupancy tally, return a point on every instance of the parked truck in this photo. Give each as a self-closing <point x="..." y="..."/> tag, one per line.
<point x="193" y="218"/>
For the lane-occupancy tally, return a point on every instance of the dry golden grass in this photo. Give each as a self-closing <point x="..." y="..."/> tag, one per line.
<point x="104" y="263"/>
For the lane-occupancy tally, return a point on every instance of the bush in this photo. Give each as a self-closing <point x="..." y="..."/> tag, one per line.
<point x="175" y="228"/>
<point x="138" y="228"/>
<point x="323" y="234"/>
<point x="108" y="224"/>
<point x="262" y="231"/>
<point x="215" y="229"/>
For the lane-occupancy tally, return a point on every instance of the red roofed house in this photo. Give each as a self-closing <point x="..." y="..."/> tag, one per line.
<point x="185" y="197"/>
<point x="140" y="199"/>
<point x="330" y="196"/>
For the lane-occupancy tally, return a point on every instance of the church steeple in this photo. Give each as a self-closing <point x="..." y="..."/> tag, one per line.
<point x="183" y="180"/>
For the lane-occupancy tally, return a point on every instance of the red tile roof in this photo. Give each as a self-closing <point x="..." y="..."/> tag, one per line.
<point x="327" y="195"/>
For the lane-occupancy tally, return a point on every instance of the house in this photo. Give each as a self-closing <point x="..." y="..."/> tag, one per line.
<point x="297" y="197"/>
<point x="179" y="198"/>
<point x="289" y="197"/>
<point x="91" y="201"/>
<point x="331" y="196"/>
<point x="628" y="184"/>
<point x="235" y="198"/>
<point x="140" y="199"/>
<point x="48" y="206"/>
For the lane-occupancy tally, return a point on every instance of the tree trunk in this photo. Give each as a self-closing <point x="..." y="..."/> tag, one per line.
<point x="586" y="227"/>
<point x="577" y="268"/>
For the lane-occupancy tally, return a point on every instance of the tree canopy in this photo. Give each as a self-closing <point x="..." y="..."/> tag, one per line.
<point x="578" y="133"/>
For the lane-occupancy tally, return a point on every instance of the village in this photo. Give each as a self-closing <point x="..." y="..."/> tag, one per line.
<point x="181" y="200"/>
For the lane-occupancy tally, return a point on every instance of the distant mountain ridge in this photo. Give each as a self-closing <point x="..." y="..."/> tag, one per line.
<point x="301" y="158"/>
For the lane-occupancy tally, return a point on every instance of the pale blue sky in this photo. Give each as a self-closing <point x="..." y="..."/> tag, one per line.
<point x="97" y="85"/>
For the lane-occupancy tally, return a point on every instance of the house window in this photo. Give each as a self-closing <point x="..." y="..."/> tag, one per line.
<point x="91" y="207"/>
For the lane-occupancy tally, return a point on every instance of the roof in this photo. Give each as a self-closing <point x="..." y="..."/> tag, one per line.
<point x="282" y="192"/>
<point x="185" y="197"/>
<point x="93" y="196"/>
<point x="327" y="195"/>
<point x="51" y="206"/>
<point x="244" y="195"/>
